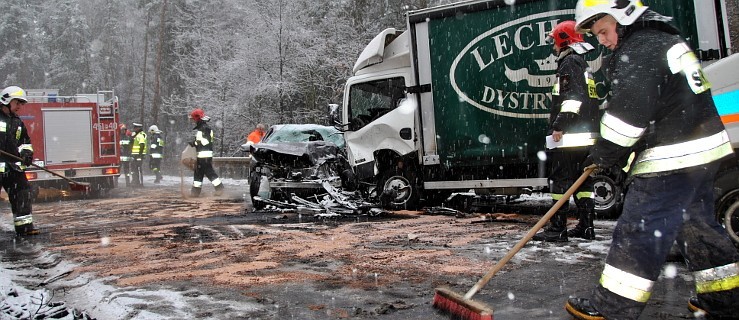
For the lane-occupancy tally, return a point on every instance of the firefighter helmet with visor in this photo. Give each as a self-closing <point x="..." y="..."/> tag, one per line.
<point x="624" y="11"/>
<point x="197" y="114"/>
<point x="563" y="34"/>
<point x="12" y="92"/>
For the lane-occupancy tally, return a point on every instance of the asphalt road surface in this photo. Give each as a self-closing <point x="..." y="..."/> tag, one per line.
<point x="152" y="253"/>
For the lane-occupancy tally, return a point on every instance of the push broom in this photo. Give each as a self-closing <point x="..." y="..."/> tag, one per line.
<point x="73" y="185"/>
<point x="462" y="306"/>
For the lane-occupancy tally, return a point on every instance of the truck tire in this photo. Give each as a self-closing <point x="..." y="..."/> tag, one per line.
<point x="727" y="214"/>
<point x="396" y="190"/>
<point x="608" y="197"/>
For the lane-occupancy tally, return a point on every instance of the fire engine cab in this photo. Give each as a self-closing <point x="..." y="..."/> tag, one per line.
<point x="74" y="136"/>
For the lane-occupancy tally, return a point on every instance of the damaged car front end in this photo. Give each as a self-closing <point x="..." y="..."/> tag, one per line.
<point x="297" y="159"/>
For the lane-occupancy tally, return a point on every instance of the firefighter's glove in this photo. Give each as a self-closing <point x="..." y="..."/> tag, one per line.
<point x="26" y="157"/>
<point x="596" y="169"/>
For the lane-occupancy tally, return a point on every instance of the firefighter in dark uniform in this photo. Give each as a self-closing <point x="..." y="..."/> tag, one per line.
<point x="14" y="140"/>
<point x="203" y="144"/>
<point x="156" y="149"/>
<point x="660" y="107"/>
<point x="138" y="153"/>
<point x="125" y="144"/>
<point x="573" y="125"/>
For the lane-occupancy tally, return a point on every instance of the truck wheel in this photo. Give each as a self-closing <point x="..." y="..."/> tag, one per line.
<point x="727" y="214"/>
<point x="607" y="197"/>
<point x="396" y="190"/>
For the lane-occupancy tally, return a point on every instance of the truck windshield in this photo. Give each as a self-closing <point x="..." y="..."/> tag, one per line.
<point x="370" y="100"/>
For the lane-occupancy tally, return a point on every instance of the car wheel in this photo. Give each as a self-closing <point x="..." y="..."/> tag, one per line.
<point x="607" y="197"/>
<point x="727" y="214"/>
<point x="255" y="178"/>
<point x="396" y="190"/>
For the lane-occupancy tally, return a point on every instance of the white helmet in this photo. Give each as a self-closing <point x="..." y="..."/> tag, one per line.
<point x="153" y="128"/>
<point x="624" y="11"/>
<point x="12" y="92"/>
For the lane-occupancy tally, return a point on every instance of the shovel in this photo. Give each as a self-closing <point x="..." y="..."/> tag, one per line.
<point x="73" y="185"/>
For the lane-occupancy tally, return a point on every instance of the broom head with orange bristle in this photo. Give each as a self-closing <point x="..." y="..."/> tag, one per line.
<point x="460" y="308"/>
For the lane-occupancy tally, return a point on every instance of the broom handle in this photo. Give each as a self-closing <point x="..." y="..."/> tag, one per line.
<point x="565" y="198"/>
<point x="40" y="167"/>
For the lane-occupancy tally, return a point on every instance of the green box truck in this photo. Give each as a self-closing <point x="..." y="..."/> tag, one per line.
<point x="459" y="101"/>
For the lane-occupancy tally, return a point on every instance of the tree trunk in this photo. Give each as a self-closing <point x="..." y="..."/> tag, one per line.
<point x="158" y="69"/>
<point x="143" y="72"/>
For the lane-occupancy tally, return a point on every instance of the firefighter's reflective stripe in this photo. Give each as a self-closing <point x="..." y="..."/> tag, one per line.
<point x="23" y="220"/>
<point x="197" y="184"/>
<point x="216" y="182"/>
<point x="619" y="132"/>
<point x="583" y="195"/>
<point x="626" y="284"/>
<point x="125" y="158"/>
<point x="681" y="59"/>
<point x="199" y="137"/>
<point x="579" y="195"/>
<point x="3" y="126"/>
<point x="156" y="155"/>
<point x="716" y="279"/>
<point x="683" y="155"/>
<point x="570" y="140"/>
<point x="3" y="167"/>
<point x="205" y="154"/>
<point x="26" y="146"/>
<point x="571" y="106"/>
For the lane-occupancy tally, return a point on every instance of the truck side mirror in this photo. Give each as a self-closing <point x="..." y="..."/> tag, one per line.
<point x="334" y="116"/>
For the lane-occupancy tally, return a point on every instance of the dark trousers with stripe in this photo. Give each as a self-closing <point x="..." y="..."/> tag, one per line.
<point x="657" y="212"/>
<point x="565" y="167"/>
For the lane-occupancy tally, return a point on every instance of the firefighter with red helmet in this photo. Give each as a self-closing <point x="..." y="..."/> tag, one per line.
<point x="573" y="125"/>
<point x="15" y="141"/>
<point x="125" y="149"/>
<point x="660" y="107"/>
<point x="203" y="144"/>
<point x="139" y="148"/>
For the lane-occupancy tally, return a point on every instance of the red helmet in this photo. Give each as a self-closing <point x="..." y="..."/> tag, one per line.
<point x="564" y="34"/>
<point x="197" y="114"/>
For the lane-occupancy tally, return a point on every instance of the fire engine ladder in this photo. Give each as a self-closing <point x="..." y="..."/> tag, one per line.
<point x="106" y="98"/>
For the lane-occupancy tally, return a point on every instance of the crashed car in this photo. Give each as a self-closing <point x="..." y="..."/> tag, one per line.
<point x="296" y="159"/>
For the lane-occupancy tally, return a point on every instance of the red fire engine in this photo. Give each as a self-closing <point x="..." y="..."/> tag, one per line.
<point x="74" y="136"/>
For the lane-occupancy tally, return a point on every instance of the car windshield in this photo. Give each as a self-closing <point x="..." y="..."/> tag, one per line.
<point x="304" y="133"/>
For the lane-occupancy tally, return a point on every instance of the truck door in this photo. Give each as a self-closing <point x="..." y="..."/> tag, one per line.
<point x="381" y="116"/>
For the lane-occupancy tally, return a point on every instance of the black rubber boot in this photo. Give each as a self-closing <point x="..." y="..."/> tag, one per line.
<point x="581" y="308"/>
<point x="26" y="230"/>
<point x="584" y="228"/>
<point x="195" y="192"/>
<point x="556" y="231"/>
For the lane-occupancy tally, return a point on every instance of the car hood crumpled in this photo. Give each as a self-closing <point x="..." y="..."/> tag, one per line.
<point x="295" y="154"/>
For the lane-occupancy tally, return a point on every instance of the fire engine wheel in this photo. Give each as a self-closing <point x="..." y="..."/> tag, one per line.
<point x="396" y="191"/>
<point x="607" y="197"/>
<point x="727" y="214"/>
